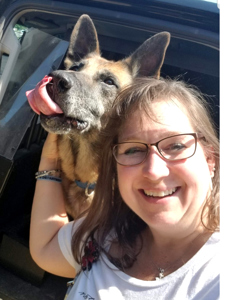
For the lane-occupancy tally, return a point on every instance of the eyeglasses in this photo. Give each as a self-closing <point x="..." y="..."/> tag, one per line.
<point x="176" y="147"/>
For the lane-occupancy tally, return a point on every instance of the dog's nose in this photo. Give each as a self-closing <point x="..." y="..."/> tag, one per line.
<point x="64" y="84"/>
<point x="62" y="81"/>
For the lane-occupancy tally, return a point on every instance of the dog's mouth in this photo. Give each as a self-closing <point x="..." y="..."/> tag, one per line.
<point x="61" y="120"/>
<point x="76" y="123"/>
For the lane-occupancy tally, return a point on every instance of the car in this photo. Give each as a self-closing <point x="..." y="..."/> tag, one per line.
<point x="34" y="39"/>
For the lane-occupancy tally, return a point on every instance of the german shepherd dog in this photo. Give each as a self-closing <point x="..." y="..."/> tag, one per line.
<point x="85" y="91"/>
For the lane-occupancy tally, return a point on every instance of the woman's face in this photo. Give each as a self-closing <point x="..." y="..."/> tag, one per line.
<point x="186" y="182"/>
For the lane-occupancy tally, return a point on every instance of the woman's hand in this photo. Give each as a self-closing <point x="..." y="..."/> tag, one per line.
<point x="50" y="148"/>
<point x="50" y="157"/>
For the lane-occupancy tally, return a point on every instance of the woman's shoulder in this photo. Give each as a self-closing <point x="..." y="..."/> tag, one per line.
<point x="71" y="227"/>
<point x="215" y="237"/>
<point x="213" y="241"/>
<point x="65" y="235"/>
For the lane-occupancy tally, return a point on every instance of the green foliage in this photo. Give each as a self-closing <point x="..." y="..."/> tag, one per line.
<point x="19" y="30"/>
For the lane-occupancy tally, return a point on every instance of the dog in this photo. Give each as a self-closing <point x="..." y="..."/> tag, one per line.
<point x="85" y="91"/>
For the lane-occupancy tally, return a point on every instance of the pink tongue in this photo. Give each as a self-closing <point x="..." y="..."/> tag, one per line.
<point x="40" y="101"/>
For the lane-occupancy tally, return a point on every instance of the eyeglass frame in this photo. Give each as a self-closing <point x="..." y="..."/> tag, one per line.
<point x="196" y="136"/>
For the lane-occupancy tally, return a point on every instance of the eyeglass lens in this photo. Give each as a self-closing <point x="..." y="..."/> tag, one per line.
<point x="172" y="148"/>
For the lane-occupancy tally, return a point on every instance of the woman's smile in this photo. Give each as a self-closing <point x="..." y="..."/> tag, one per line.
<point x="159" y="194"/>
<point x="165" y="197"/>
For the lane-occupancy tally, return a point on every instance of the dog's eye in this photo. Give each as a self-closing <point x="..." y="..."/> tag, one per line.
<point x="109" y="81"/>
<point x="77" y="67"/>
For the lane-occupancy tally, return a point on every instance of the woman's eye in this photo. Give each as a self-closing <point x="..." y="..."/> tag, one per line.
<point x="132" y="151"/>
<point x="175" y="147"/>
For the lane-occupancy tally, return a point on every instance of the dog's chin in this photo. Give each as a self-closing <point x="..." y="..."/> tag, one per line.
<point x="60" y="124"/>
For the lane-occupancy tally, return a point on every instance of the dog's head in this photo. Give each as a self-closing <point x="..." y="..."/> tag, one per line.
<point x="87" y="88"/>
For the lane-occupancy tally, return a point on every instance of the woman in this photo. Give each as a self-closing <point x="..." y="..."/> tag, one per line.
<point x="152" y="229"/>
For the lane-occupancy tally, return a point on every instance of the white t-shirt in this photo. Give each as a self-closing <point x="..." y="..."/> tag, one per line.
<point x="198" y="279"/>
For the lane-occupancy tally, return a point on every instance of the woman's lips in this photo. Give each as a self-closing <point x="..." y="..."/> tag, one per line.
<point x="159" y="194"/>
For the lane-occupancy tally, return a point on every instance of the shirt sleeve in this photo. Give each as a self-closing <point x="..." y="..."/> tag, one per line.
<point x="65" y="238"/>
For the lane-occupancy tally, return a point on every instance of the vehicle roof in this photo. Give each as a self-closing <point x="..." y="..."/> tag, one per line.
<point x="200" y="13"/>
<point x="203" y="14"/>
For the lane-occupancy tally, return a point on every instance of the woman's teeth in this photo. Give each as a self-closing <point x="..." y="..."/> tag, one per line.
<point x="160" y="194"/>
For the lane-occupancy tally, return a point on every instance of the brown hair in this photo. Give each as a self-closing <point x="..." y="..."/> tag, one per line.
<point x="108" y="211"/>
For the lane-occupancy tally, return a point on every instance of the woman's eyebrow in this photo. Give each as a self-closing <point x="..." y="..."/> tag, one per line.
<point x="163" y="135"/>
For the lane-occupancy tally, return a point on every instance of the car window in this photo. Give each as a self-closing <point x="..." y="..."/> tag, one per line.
<point x="39" y="53"/>
<point x="36" y="45"/>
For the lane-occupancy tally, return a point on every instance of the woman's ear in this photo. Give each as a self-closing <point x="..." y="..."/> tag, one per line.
<point x="211" y="162"/>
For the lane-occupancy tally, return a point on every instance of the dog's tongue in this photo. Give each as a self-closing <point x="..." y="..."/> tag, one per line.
<point x="40" y="101"/>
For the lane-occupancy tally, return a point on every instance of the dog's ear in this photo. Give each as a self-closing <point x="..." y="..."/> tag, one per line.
<point x="148" y="58"/>
<point x="83" y="41"/>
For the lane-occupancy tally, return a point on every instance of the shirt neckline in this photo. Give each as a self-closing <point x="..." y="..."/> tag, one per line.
<point x="202" y="255"/>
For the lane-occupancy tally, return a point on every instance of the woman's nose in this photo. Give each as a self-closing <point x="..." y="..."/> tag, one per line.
<point x="155" y="167"/>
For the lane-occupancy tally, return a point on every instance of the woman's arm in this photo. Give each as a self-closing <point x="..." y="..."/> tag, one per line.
<point x="48" y="216"/>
